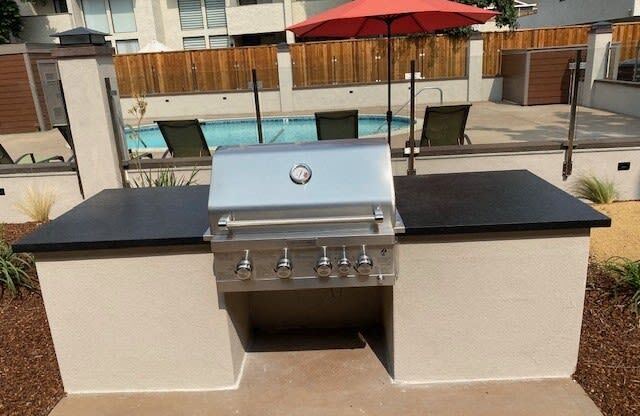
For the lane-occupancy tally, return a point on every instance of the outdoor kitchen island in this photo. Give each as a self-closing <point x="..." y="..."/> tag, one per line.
<point x="490" y="286"/>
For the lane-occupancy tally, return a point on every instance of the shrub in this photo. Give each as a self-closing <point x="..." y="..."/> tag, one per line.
<point x="37" y="204"/>
<point x="596" y="190"/>
<point x="14" y="271"/>
<point x="164" y="178"/>
<point x="627" y="275"/>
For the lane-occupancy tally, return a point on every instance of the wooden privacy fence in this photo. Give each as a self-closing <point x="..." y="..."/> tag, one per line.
<point x="628" y="34"/>
<point x="365" y="61"/>
<point x="495" y="42"/>
<point x="196" y="71"/>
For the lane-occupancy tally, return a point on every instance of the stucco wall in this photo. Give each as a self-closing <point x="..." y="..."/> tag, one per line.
<point x="138" y="320"/>
<point x="547" y="165"/>
<point x="201" y="105"/>
<point x="39" y="28"/>
<point x="258" y="18"/>
<point x="617" y="97"/>
<point x="63" y="185"/>
<point x="569" y="12"/>
<point x="489" y="307"/>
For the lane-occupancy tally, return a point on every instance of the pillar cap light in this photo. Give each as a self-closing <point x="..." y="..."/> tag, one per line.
<point x="81" y="36"/>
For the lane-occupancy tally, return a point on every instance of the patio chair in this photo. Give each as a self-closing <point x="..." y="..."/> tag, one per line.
<point x="332" y="125"/>
<point x="6" y="159"/>
<point x="184" y="138"/>
<point x="444" y="125"/>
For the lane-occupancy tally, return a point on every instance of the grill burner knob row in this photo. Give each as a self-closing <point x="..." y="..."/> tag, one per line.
<point x="364" y="265"/>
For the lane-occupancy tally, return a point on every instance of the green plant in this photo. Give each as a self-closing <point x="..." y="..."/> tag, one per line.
<point x="164" y="178"/>
<point x="14" y="271"/>
<point x="599" y="191"/>
<point x="627" y="275"/>
<point x="36" y="204"/>
<point x="10" y="21"/>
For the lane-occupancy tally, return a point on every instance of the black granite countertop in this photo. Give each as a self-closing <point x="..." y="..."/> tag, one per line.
<point x="428" y="204"/>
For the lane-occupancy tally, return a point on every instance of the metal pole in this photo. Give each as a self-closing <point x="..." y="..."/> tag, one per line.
<point x="117" y="131"/>
<point x="411" y="171"/>
<point x="254" y="79"/>
<point x="567" y="166"/>
<point x="71" y="144"/>
<point x="389" y="112"/>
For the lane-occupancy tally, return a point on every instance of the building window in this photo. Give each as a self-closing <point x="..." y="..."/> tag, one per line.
<point x="218" y="41"/>
<point x="190" y="12"/>
<point x="127" y="46"/>
<point x="122" y="16"/>
<point x="216" y="15"/>
<point x="194" y="42"/>
<point x="95" y="15"/>
<point x="60" y="6"/>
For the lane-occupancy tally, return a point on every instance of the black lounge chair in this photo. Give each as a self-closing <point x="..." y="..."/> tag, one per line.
<point x="6" y="159"/>
<point x="444" y="125"/>
<point x="184" y="138"/>
<point x="332" y="125"/>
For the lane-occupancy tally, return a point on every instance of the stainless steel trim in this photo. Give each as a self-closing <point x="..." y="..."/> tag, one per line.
<point x="310" y="283"/>
<point x="227" y="221"/>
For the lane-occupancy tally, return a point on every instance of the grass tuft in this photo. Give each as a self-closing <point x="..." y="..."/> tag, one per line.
<point x="626" y="273"/>
<point x="596" y="190"/>
<point x="37" y="204"/>
<point x="164" y="178"/>
<point x="14" y="271"/>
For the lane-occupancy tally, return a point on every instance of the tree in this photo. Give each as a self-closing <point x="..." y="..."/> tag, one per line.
<point x="508" y="15"/>
<point x="507" y="8"/>
<point x="10" y="22"/>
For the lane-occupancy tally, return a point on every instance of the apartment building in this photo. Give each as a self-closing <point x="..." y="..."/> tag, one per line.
<point x="574" y="12"/>
<point x="178" y="24"/>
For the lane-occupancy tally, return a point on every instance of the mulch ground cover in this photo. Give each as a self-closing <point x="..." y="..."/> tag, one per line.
<point x="608" y="364"/>
<point x="609" y="360"/>
<point x="29" y="378"/>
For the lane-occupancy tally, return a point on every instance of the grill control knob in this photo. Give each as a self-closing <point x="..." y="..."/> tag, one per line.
<point x="284" y="267"/>
<point x="364" y="265"/>
<point x="323" y="265"/>
<point x="244" y="268"/>
<point x="344" y="265"/>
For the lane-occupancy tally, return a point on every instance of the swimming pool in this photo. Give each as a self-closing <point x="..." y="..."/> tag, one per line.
<point x="275" y="130"/>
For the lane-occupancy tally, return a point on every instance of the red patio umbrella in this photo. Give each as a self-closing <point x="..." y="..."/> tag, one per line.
<point x="365" y="18"/>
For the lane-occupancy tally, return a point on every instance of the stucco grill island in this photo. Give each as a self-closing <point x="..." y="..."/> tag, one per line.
<point x="470" y="276"/>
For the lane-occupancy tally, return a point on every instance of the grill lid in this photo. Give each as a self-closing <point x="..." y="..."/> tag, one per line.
<point x="325" y="187"/>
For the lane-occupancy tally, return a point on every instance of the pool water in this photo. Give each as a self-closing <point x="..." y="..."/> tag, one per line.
<point x="275" y="130"/>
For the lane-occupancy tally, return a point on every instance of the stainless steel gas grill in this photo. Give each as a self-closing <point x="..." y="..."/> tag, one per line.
<point x="309" y="215"/>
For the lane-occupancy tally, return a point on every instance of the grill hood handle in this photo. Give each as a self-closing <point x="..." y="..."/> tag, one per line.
<point x="227" y="221"/>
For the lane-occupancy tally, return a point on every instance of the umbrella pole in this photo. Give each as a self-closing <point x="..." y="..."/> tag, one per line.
<point x="389" y="66"/>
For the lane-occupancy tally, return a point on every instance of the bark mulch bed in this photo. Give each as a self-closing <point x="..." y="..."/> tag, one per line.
<point x="29" y="378"/>
<point x="609" y="360"/>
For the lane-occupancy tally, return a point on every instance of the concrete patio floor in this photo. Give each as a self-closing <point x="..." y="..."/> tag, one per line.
<point x="336" y="375"/>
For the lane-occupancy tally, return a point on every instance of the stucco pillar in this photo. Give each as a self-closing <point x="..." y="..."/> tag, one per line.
<point x="600" y="37"/>
<point x="285" y="77"/>
<point x="83" y="70"/>
<point x="288" y="20"/>
<point x="474" y="67"/>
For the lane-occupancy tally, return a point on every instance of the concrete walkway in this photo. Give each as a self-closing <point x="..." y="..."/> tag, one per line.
<point x="338" y="376"/>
